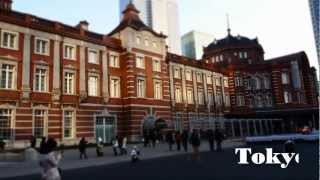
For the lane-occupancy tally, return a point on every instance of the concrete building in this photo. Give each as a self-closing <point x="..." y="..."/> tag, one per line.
<point x="162" y="16"/>
<point x="194" y="42"/>
<point x="315" y="11"/>
<point x="67" y="82"/>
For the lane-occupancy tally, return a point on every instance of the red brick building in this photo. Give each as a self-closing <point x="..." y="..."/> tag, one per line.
<point x="68" y="82"/>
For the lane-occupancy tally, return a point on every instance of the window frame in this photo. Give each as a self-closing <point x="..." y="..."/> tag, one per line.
<point x="47" y="48"/>
<point x="113" y="57"/>
<point x="72" y="126"/>
<point x="142" y="63"/>
<point x="16" y="40"/>
<point x="14" y="74"/>
<point x="73" y="82"/>
<point x="45" y="121"/>
<point x="97" y="93"/>
<point x="74" y="53"/>
<point x="141" y="93"/>
<point x="179" y="95"/>
<point x="118" y="90"/>
<point x="46" y="80"/>
<point x="96" y="56"/>
<point x="157" y="96"/>
<point x="154" y="63"/>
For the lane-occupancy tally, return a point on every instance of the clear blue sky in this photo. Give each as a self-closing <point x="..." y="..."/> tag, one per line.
<point x="282" y="26"/>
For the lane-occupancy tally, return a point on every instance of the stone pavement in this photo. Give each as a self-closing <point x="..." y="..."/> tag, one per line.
<point x="71" y="158"/>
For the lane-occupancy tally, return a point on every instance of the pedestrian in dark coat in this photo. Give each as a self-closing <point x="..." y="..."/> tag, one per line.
<point x="195" y="142"/>
<point x="178" y="140"/>
<point x="43" y="146"/>
<point x="33" y="142"/>
<point x="153" y="138"/>
<point x="169" y="139"/>
<point x="82" y="148"/>
<point x="218" y="135"/>
<point x="185" y="138"/>
<point x="210" y="138"/>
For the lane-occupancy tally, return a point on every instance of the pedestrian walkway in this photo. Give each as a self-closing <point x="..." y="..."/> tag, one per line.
<point x="71" y="158"/>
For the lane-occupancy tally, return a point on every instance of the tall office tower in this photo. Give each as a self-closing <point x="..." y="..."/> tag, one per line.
<point x="315" y="10"/>
<point x="193" y="43"/>
<point x="161" y="16"/>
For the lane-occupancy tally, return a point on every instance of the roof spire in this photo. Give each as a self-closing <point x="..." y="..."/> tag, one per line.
<point x="228" y="25"/>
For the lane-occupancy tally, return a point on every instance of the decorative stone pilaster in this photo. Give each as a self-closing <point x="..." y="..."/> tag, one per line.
<point x="26" y="69"/>
<point x="56" y="72"/>
<point x="105" y="77"/>
<point x="82" y="74"/>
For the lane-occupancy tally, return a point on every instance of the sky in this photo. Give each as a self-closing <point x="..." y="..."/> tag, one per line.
<point x="282" y="26"/>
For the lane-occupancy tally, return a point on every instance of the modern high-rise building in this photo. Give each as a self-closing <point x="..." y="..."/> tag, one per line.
<point x="194" y="42"/>
<point x="162" y="16"/>
<point x="315" y="10"/>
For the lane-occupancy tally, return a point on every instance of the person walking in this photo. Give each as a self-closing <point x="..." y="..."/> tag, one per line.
<point x="115" y="145"/>
<point x="178" y="140"/>
<point x="218" y="135"/>
<point x="153" y="138"/>
<point x="185" y="138"/>
<point x="82" y="148"/>
<point x="195" y="142"/>
<point x="99" y="148"/>
<point x="210" y="138"/>
<point x="124" y="146"/>
<point x="43" y="146"/>
<point x="169" y="139"/>
<point x="50" y="163"/>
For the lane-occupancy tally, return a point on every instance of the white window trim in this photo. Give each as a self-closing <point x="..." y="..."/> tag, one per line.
<point x="161" y="91"/>
<point x="118" y="59"/>
<point x="16" y="42"/>
<point x="46" y="68"/>
<point x="74" y="54"/>
<point x="73" y="127"/>
<point x="97" y="56"/>
<point x="153" y="65"/>
<point x="177" y="69"/>
<point x="45" y="123"/>
<point x="175" y="94"/>
<point x="14" y="78"/>
<point x="98" y="84"/>
<point x="13" y="117"/>
<point x="119" y="79"/>
<point x="74" y="81"/>
<point x="190" y="101"/>
<point x="144" y="87"/>
<point x="143" y="61"/>
<point x="189" y="71"/>
<point x="47" y="53"/>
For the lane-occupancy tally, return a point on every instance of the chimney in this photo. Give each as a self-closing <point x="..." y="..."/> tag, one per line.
<point x="84" y="25"/>
<point x="5" y="5"/>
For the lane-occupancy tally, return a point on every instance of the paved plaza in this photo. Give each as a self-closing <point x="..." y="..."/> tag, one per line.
<point x="216" y="165"/>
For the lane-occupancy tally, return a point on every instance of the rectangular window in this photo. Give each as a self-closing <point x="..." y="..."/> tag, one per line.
<point x="40" y="80"/>
<point x="245" y="55"/>
<point x="41" y="46"/>
<point x="69" y="52"/>
<point x="114" y="61"/>
<point x="157" y="89"/>
<point x="225" y="83"/>
<point x="93" y="56"/>
<point x="285" y="78"/>
<point x="227" y="100"/>
<point x="5" y="124"/>
<point x="199" y="77"/>
<point x="69" y="83"/>
<point x="39" y="123"/>
<point x="177" y="73"/>
<point x="218" y="81"/>
<point x="156" y="65"/>
<point x="209" y="79"/>
<point x="9" y="40"/>
<point x="200" y="97"/>
<point x="287" y="97"/>
<point x="141" y="88"/>
<point x="178" y="95"/>
<point x="115" y="87"/>
<point x="188" y="75"/>
<point x="68" y="124"/>
<point x="190" y="97"/>
<point x="238" y="81"/>
<point x="210" y="98"/>
<point x="219" y="99"/>
<point x="7" y="76"/>
<point x="240" y="100"/>
<point x="140" y="62"/>
<point x="93" y="85"/>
